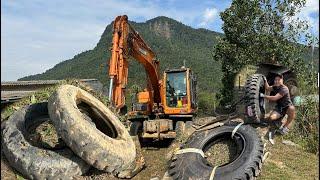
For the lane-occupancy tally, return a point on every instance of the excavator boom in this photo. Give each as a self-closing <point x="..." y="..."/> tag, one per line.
<point x="127" y="42"/>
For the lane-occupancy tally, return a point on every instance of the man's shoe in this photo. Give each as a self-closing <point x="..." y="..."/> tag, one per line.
<point x="271" y="136"/>
<point x="283" y="130"/>
<point x="264" y="122"/>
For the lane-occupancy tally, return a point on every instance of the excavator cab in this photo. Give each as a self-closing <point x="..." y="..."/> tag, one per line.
<point x="180" y="93"/>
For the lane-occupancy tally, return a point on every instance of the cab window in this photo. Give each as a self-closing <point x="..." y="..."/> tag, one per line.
<point x="176" y="89"/>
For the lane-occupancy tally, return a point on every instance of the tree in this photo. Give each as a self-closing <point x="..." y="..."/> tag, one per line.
<point x="258" y="31"/>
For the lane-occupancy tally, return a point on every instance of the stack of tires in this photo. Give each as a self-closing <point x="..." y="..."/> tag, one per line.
<point x="92" y="134"/>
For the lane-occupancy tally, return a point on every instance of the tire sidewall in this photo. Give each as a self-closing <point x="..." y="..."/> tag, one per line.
<point x="96" y="148"/>
<point x="198" y="169"/>
<point x="30" y="160"/>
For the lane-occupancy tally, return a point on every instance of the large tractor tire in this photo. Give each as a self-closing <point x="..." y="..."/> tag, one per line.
<point x="246" y="164"/>
<point x="102" y="141"/>
<point x="255" y="105"/>
<point x="291" y="82"/>
<point x="36" y="162"/>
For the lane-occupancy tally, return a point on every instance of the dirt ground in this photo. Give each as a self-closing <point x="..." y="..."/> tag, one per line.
<point x="284" y="162"/>
<point x="156" y="158"/>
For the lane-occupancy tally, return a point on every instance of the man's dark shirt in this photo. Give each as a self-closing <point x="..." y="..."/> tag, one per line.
<point x="284" y="91"/>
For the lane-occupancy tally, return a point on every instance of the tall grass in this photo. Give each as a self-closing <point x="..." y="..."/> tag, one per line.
<point x="306" y="126"/>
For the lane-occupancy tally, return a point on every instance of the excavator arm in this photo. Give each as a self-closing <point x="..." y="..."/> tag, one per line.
<point x="126" y="42"/>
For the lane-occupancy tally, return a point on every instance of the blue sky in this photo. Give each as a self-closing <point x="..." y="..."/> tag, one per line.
<point x="37" y="34"/>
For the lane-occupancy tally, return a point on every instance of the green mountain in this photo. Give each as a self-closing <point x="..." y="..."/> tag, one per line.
<point x="173" y="43"/>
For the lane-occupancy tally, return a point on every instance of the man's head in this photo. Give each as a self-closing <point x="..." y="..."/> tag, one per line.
<point x="278" y="80"/>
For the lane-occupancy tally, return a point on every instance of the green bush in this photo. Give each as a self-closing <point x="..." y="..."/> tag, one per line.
<point x="207" y="102"/>
<point x="306" y="126"/>
<point x="44" y="94"/>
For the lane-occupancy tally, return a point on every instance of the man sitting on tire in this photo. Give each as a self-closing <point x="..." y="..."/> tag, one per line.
<point x="284" y="105"/>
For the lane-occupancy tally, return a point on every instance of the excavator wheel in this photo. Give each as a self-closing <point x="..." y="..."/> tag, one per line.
<point x="123" y="110"/>
<point x="180" y="128"/>
<point x="30" y="157"/>
<point x="102" y="141"/>
<point x="135" y="128"/>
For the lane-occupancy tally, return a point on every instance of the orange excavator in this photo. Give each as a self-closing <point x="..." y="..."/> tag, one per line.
<point x="165" y="102"/>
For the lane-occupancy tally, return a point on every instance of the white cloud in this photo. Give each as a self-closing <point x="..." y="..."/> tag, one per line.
<point x="31" y="46"/>
<point x="311" y="13"/>
<point x="37" y="34"/>
<point x="209" y="15"/>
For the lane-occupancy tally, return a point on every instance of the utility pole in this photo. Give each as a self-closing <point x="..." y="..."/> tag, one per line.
<point x="312" y="50"/>
<point x="312" y="60"/>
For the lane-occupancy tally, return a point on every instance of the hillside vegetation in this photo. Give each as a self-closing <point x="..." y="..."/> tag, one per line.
<point x="173" y="43"/>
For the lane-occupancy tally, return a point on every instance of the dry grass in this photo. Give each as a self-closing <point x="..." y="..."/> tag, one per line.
<point x="44" y="94"/>
<point x="289" y="163"/>
<point x="45" y="135"/>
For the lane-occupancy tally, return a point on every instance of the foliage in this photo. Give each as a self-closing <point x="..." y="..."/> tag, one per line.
<point x="306" y="125"/>
<point x="173" y="43"/>
<point x="19" y="177"/>
<point x="43" y="96"/>
<point x="131" y="95"/>
<point x="207" y="102"/>
<point x="259" y="31"/>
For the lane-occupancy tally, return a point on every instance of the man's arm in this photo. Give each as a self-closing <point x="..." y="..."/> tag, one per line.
<point x="273" y="98"/>
<point x="266" y="84"/>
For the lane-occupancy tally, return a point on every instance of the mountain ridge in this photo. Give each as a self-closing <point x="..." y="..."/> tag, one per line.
<point x="170" y="39"/>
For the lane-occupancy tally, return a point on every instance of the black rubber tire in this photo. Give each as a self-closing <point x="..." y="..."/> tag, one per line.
<point x="253" y="87"/>
<point x="26" y="158"/>
<point x="106" y="146"/>
<point x="291" y="82"/>
<point x="135" y="128"/>
<point x="246" y="165"/>
<point x="123" y="110"/>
